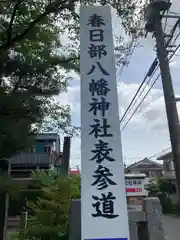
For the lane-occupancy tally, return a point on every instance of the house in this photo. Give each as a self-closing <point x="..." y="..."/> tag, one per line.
<point x="168" y="165"/>
<point x="42" y="155"/>
<point x="169" y="173"/>
<point x="150" y="168"/>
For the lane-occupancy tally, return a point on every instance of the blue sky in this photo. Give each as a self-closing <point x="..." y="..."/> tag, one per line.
<point x="147" y="133"/>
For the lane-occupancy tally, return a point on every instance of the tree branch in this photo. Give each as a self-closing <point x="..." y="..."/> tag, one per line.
<point x="18" y="37"/>
<point x="71" y="59"/>
<point x="9" y="31"/>
<point x="57" y="5"/>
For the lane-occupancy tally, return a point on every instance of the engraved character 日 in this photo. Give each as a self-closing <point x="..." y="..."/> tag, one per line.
<point x="96" y="35"/>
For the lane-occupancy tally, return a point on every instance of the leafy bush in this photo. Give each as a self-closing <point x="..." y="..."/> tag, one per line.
<point x="167" y="186"/>
<point x="162" y="190"/>
<point x="48" y="214"/>
<point x="153" y="190"/>
<point x="166" y="204"/>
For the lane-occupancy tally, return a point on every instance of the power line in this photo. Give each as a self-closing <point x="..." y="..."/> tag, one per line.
<point x="129" y="119"/>
<point x="150" y="157"/>
<point x="131" y="47"/>
<point x="151" y="71"/>
<point x="143" y="89"/>
<point x="147" y="91"/>
<point x="156" y="154"/>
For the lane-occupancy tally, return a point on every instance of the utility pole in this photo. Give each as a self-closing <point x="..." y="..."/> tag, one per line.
<point x="155" y="16"/>
<point x="4" y="170"/>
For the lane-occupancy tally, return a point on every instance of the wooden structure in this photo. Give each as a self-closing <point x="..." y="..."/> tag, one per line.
<point x="145" y="223"/>
<point x="150" y="168"/>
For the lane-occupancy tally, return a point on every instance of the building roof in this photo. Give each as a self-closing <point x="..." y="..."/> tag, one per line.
<point x="30" y="159"/>
<point x="47" y="136"/>
<point x="165" y="156"/>
<point x="144" y="164"/>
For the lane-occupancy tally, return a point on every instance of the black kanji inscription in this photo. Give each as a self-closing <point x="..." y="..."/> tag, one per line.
<point x="103" y="178"/>
<point x="99" y="105"/>
<point x="96" y="35"/>
<point x="99" y="87"/>
<point x="104" y="72"/>
<point x="96" y="21"/>
<point x="102" y="152"/>
<point x="104" y="206"/>
<point x="99" y="130"/>
<point x="97" y="50"/>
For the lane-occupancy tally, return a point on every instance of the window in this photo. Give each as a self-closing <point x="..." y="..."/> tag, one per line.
<point x="32" y="148"/>
<point x="47" y="149"/>
<point x="167" y="166"/>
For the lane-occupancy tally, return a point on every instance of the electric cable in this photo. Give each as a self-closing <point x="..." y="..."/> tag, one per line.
<point x="147" y="92"/>
<point x="150" y="72"/>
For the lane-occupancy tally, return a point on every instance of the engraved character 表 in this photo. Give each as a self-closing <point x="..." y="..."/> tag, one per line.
<point x="102" y="152"/>
<point x="104" y="206"/>
<point x="103" y="178"/>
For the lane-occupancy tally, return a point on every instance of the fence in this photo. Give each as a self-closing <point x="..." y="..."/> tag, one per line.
<point x="145" y="224"/>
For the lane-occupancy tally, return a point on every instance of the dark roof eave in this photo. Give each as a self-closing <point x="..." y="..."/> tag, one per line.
<point x="165" y="156"/>
<point x="134" y="164"/>
<point x="145" y="169"/>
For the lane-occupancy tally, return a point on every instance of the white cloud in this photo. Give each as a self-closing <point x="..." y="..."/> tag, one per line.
<point x="150" y="110"/>
<point x="147" y="132"/>
<point x="150" y="117"/>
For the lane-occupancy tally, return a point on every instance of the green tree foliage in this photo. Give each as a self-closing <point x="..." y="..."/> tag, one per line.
<point x="153" y="190"/>
<point x="163" y="189"/>
<point x="8" y="185"/>
<point x="31" y="71"/>
<point x="48" y="213"/>
<point x="32" y="59"/>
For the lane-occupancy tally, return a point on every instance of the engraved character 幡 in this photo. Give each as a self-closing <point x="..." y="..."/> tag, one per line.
<point x="99" y="87"/>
